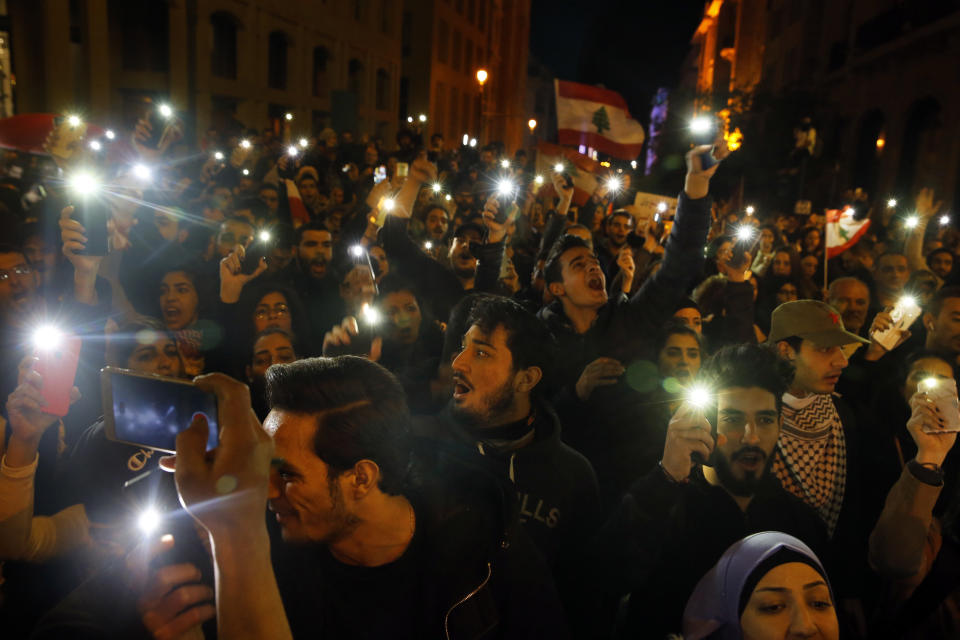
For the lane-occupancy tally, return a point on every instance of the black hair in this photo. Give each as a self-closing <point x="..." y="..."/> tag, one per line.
<point x="393" y="283"/>
<point x="255" y="206"/>
<point x="553" y="272"/>
<point x="267" y="185"/>
<point x="528" y="340"/>
<point x="921" y="354"/>
<point x="270" y="331"/>
<point x="466" y="228"/>
<point x="238" y="220"/>
<point x="939" y="250"/>
<point x="746" y="366"/>
<point x="361" y="413"/>
<point x="314" y="225"/>
<point x="936" y="304"/>
<point x="677" y="328"/>
<point x="299" y="320"/>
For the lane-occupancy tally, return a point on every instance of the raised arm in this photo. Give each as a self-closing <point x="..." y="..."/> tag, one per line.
<point x="926" y="209"/>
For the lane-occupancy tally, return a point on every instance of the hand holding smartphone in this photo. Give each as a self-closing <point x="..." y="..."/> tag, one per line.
<point x="57" y="362"/>
<point x="943" y="393"/>
<point x="904" y="313"/>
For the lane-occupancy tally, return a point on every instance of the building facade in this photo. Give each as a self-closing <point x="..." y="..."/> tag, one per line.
<point x="871" y="74"/>
<point x="329" y="62"/>
<point x="445" y="43"/>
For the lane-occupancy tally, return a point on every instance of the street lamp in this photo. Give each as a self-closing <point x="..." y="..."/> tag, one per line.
<point x="481" y="79"/>
<point x="532" y="124"/>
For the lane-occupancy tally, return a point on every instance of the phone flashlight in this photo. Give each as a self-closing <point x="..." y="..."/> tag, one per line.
<point x="448" y="197"/>
<point x="84" y="183"/>
<point x="246" y="172"/>
<point x="538" y="180"/>
<point x="505" y="187"/>
<point x="47" y="337"/>
<point x="701" y="125"/>
<point x="745" y="233"/>
<point x="410" y="119"/>
<point x="698" y="396"/>
<point x="422" y="117"/>
<point x="304" y="142"/>
<point x="944" y="221"/>
<point x="911" y="222"/>
<point x="466" y="139"/>
<point x="929" y="384"/>
<point x="218" y="155"/>
<point x="370" y="314"/>
<point x="292" y="151"/>
<point x="437" y="187"/>
<point x="142" y="171"/>
<point x="165" y="110"/>
<point x="473" y="142"/>
<point x="505" y="163"/>
<point x="892" y="202"/>
<point x="428" y="245"/>
<point x="613" y="185"/>
<point x="245" y="144"/>
<point x="356" y="251"/>
<point x="907" y="301"/>
<point x="750" y="210"/>
<point x="558" y="168"/>
<point x="288" y="116"/>
<point x="110" y="134"/>
<point x="95" y="145"/>
<point x="264" y="236"/>
<point x="74" y="121"/>
<point x="148" y="521"/>
<point x="388" y="204"/>
<point x="662" y="207"/>
<point x="656" y="217"/>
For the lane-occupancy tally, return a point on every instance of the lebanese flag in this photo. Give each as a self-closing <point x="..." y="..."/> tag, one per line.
<point x="843" y="231"/>
<point x="596" y="118"/>
<point x="582" y="169"/>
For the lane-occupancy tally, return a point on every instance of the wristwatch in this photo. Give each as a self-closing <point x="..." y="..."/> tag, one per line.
<point x="928" y="473"/>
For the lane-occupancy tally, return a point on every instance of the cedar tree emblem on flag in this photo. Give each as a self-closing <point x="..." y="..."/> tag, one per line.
<point x="600" y="120"/>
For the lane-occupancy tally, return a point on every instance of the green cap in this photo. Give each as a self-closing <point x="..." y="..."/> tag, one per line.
<point x="811" y="320"/>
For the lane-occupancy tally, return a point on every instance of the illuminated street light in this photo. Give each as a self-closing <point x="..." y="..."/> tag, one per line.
<point x="288" y="116"/>
<point x="750" y="210"/>
<point x="422" y="117"/>
<point x="532" y="124"/>
<point x="482" y="76"/>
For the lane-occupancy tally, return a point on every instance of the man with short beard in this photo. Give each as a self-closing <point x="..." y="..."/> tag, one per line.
<point x="712" y="487"/>
<point x="311" y="274"/>
<point x="851" y="297"/>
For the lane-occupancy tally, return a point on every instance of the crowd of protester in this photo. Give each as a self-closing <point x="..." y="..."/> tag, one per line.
<point x="471" y="413"/>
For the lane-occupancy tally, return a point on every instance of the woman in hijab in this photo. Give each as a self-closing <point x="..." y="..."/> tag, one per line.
<point x="767" y="586"/>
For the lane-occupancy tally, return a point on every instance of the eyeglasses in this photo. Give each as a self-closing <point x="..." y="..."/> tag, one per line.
<point x="277" y="311"/>
<point x="20" y="270"/>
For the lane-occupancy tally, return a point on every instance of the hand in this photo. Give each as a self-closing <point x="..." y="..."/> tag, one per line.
<point x="379" y="191"/>
<point x="225" y="490"/>
<point x="210" y="169"/>
<point x="496" y="231"/>
<point x="697" y="183"/>
<point x="422" y="171"/>
<point x="627" y="267"/>
<point x="560" y="186"/>
<point x="74" y="241"/>
<point x="926" y="428"/>
<point x="882" y="322"/>
<point x="599" y="373"/>
<point x="341" y="334"/>
<point x="926" y="207"/>
<point x="738" y="272"/>
<point x="27" y="420"/>
<point x="169" y="596"/>
<point x="687" y="433"/>
<point x="232" y="278"/>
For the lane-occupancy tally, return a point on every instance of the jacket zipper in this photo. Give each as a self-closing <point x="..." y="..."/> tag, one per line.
<point x="446" y="618"/>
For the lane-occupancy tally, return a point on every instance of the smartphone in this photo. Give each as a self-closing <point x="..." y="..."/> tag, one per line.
<point x="149" y="411"/>
<point x="943" y="392"/>
<point x="403" y="169"/>
<point x="58" y="366"/>
<point x="159" y="123"/>
<point x="360" y="344"/>
<point x="251" y="259"/>
<point x="93" y="213"/>
<point x="380" y="174"/>
<point x="904" y="313"/>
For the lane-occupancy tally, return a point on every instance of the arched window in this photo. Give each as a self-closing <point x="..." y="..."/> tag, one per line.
<point x="866" y="168"/>
<point x="223" y="52"/>
<point x="277" y="60"/>
<point x="383" y="89"/>
<point x="321" y="56"/>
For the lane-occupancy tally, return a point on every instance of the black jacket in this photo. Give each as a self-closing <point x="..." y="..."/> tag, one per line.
<point x="665" y="536"/>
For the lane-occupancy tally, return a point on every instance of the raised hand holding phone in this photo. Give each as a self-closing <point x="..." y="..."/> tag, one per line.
<point x="688" y="441"/>
<point x="926" y="428"/>
<point x="28" y="413"/>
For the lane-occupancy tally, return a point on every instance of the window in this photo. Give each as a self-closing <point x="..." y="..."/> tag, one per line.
<point x="223" y="54"/>
<point x="472" y="11"/>
<point x="460" y="7"/>
<point x="465" y="111"/>
<point x="468" y="58"/>
<point x="144" y="34"/>
<point x="454" y="103"/>
<point x="383" y="89"/>
<point x="457" y="48"/>
<point x="443" y="41"/>
<point x="355" y="78"/>
<point x="482" y="16"/>
<point x="406" y="33"/>
<point x="358" y="10"/>
<point x="321" y="56"/>
<point x="277" y="60"/>
<point x="439" y="100"/>
<point x="386" y="10"/>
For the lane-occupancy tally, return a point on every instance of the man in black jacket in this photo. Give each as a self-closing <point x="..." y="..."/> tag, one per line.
<point x="497" y="411"/>
<point x="675" y="522"/>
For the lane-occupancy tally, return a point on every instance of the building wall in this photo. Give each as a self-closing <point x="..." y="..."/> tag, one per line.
<point x="95" y="77"/>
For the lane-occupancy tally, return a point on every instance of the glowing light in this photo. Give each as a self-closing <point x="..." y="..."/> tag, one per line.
<point x="245" y="144"/>
<point x="482" y="76"/>
<point x="74" y="121"/>
<point x="892" y="202"/>
<point x="288" y="116"/>
<point x="604" y="164"/>
<point x="110" y="134"/>
<point x="437" y="187"/>
<point x="165" y="110"/>
<point x="750" y="210"/>
<point x="246" y="172"/>
<point x="701" y="125"/>
<point x="538" y="180"/>
<point x="47" y="337"/>
<point x="881" y="143"/>
<point x="422" y="117"/>
<point x="532" y="124"/>
<point x="264" y="236"/>
<point x="911" y="222"/>
<point x="303" y="143"/>
<point x="929" y="383"/>
<point x="388" y="204"/>
<point x="466" y="139"/>
<point x="428" y="245"/>
<point x="907" y="302"/>
<point x="473" y="142"/>
<point x="613" y="184"/>
<point x="699" y="396"/>
<point x="84" y="183"/>
<point x="292" y="151"/>
<point x="218" y="155"/>
<point x="662" y="207"/>
<point x="370" y="314"/>
<point x="944" y="220"/>
<point x="95" y="145"/>
<point x="356" y="251"/>
<point x="142" y="171"/>
<point x="505" y="187"/>
<point x="745" y="232"/>
<point x="734" y="139"/>
<point x="149" y="520"/>
<point x="505" y="163"/>
<point x="633" y="164"/>
<point x="558" y="168"/>
<point x="409" y="118"/>
<point x="448" y="197"/>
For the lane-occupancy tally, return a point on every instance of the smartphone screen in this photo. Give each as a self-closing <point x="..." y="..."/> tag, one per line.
<point x="403" y="169"/>
<point x="149" y="411"/>
<point x="380" y="174"/>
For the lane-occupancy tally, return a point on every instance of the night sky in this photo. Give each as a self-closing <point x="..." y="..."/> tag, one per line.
<point x="629" y="46"/>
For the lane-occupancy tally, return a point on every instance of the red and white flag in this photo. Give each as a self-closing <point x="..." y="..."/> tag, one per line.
<point x="582" y="169"/>
<point x="597" y="118"/>
<point x="843" y="231"/>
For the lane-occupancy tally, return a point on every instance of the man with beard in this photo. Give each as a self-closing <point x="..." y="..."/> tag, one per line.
<point x="312" y="276"/>
<point x="617" y="228"/>
<point x="851" y="297"/>
<point x="436" y="223"/>
<point x="497" y="410"/>
<point x="712" y="487"/>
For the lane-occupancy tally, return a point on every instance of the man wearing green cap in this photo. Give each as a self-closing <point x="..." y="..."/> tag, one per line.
<point x="815" y="457"/>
